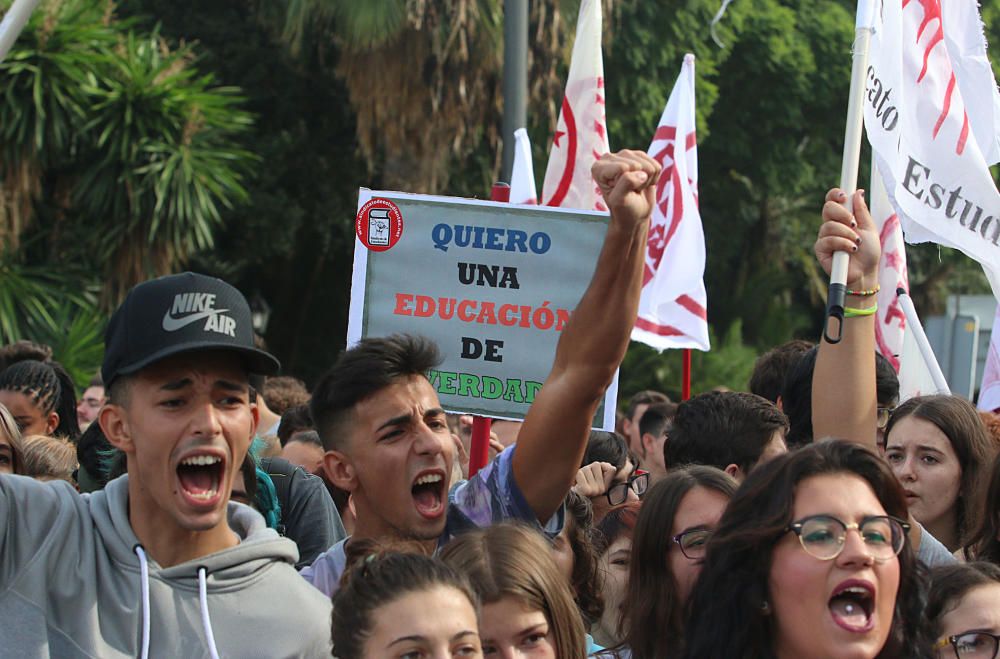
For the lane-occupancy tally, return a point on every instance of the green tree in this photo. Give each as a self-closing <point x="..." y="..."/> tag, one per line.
<point x="118" y="153"/>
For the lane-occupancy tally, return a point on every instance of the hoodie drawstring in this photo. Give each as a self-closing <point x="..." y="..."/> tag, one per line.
<point x="144" y="584"/>
<point x="205" y="620"/>
<point x="202" y="597"/>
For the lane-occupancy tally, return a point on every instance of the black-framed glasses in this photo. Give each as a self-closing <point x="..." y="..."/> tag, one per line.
<point x="637" y="482"/>
<point x="824" y="536"/>
<point x="693" y="542"/>
<point x="882" y="416"/>
<point x="971" y="645"/>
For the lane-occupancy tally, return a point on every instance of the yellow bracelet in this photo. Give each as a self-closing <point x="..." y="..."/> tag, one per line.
<point x="855" y="313"/>
<point x="866" y="293"/>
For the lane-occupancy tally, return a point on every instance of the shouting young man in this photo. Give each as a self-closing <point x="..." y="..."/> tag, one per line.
<point x="160" y="563"/>
<point x="385" y="434"/>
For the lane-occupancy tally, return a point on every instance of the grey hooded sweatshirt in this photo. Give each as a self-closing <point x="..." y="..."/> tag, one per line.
<point x="72" y="584"/>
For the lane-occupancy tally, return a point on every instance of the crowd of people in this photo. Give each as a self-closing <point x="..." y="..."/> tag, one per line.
<point x="195" y="503"/>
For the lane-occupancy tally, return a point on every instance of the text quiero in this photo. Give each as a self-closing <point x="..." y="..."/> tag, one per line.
<point x="506" y="240"/>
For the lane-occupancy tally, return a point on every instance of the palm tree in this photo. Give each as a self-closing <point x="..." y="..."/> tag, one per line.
<point x="424" y="77"/>
<point x="124" y="137"/>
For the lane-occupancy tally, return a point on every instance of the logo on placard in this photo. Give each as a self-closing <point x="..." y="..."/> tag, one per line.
<point x="379" y="224"/>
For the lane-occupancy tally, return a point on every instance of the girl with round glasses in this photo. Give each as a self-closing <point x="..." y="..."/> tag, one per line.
<point x="963" y="611"/>
<point x="810" y="559"/>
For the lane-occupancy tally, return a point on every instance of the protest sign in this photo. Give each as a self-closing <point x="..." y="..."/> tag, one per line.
<point x="492" y="284"/>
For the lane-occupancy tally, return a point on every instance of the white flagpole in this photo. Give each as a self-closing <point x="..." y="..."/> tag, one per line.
<point x="13" y="22"/>
<point x="849" y="165"/>
<point x="913" y="325"/>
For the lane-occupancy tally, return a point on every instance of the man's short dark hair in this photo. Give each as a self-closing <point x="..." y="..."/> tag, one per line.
<point x="796" y="400"/>
<point x="306" y="437"/>
<point x="656" y="417"/>
<point x="770" y="369"/>
<point x="607" y="447"/>
<point x="295" y="419"/>
<point x="370" y="366"/>
<point x="720" y="428"/>
<point x="645" y="397"/>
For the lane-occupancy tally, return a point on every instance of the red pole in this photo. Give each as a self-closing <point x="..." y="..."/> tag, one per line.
<point x="686" y="384"/>
<point x="479" y="451"/>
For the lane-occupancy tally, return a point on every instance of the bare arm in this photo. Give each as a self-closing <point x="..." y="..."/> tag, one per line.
<point x="843" y="391"/>
<point x="552" y="441"/>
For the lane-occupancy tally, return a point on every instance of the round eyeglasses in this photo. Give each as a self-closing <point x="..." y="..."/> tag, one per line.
<point x="972" y="645"/>
<point x="883" y="414"/>
<point x="693" y="542"/>
<point x="638" y="482"/>
<point x="824" y="536"/>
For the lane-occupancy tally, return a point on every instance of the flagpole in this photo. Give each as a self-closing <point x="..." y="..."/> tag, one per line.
<point x="13" y="23"/>
<point x="686" y="384"/>
<point x="479" y="446"/>
<point x="849" y="165"/>
<point x="926" y="352"/>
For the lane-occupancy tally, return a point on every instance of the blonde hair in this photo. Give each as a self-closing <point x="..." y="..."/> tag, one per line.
<point x="48" y="458"/>
<point x="514" y="560"/>
<point x="10" y="432"/>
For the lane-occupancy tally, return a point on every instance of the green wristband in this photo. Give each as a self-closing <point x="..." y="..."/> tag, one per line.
<point x="856" y="313"/>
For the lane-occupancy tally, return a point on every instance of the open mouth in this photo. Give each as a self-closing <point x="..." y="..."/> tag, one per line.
<point x="200" y="477"/>
<point x="852" y="605"/>
<point x="428" y="494"/>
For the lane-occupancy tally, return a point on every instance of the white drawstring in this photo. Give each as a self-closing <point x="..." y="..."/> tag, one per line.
<point x="205" y="621"/>
<point x="144" y="585"/>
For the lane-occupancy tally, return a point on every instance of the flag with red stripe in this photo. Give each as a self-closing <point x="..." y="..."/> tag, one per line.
<point x="582" y="132"/>
<point x="673" y="306"/>
<point x="920" y="129"/>
<point x="890" y="321"/>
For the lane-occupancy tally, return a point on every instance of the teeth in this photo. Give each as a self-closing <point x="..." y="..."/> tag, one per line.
<point x="203" y="495"/>
<point x="201" y="460"/>
<point x="429" y="478"/>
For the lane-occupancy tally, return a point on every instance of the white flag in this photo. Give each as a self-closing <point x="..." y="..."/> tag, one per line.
<point x="672" y="309"/>
<point x="581" y="135"/>
<point x="989" y="392"/>
<point x="918" y="126"/>
<point x="963" y="35"/>
<point x="522" y="175"/>
<point x="890" y="321"/>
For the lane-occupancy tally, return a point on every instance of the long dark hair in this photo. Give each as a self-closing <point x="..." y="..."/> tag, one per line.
<point x="580" y="535"/>
<point x="730" y="621"/>
<point x="960" y="423"/>
<point x="381" y="576"/>
<point x="983" y="543"/>
<point x="654" y="622"/>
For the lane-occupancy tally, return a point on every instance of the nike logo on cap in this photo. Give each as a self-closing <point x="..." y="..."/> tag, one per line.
<point x="172" y="324"/>
<point x="191" y="307"/>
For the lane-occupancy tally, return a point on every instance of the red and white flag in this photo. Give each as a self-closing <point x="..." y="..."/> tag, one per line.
<point x="890" y="321"/>
<point x="582" y="134"/>
<point x="989" y="392"/>
<point x="966" y="42"/>
<point x="672" y="308"/>
<point x="919" y="129"/>
<point x="522" y="175"/>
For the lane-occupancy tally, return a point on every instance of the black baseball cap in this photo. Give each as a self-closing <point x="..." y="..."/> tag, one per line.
<point x="180" y="313"/>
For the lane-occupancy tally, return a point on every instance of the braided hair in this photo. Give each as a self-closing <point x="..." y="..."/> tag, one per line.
<point x="50" y="387"/>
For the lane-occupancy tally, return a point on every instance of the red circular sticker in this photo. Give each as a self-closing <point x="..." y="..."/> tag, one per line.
<point x="379" y="224"/>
